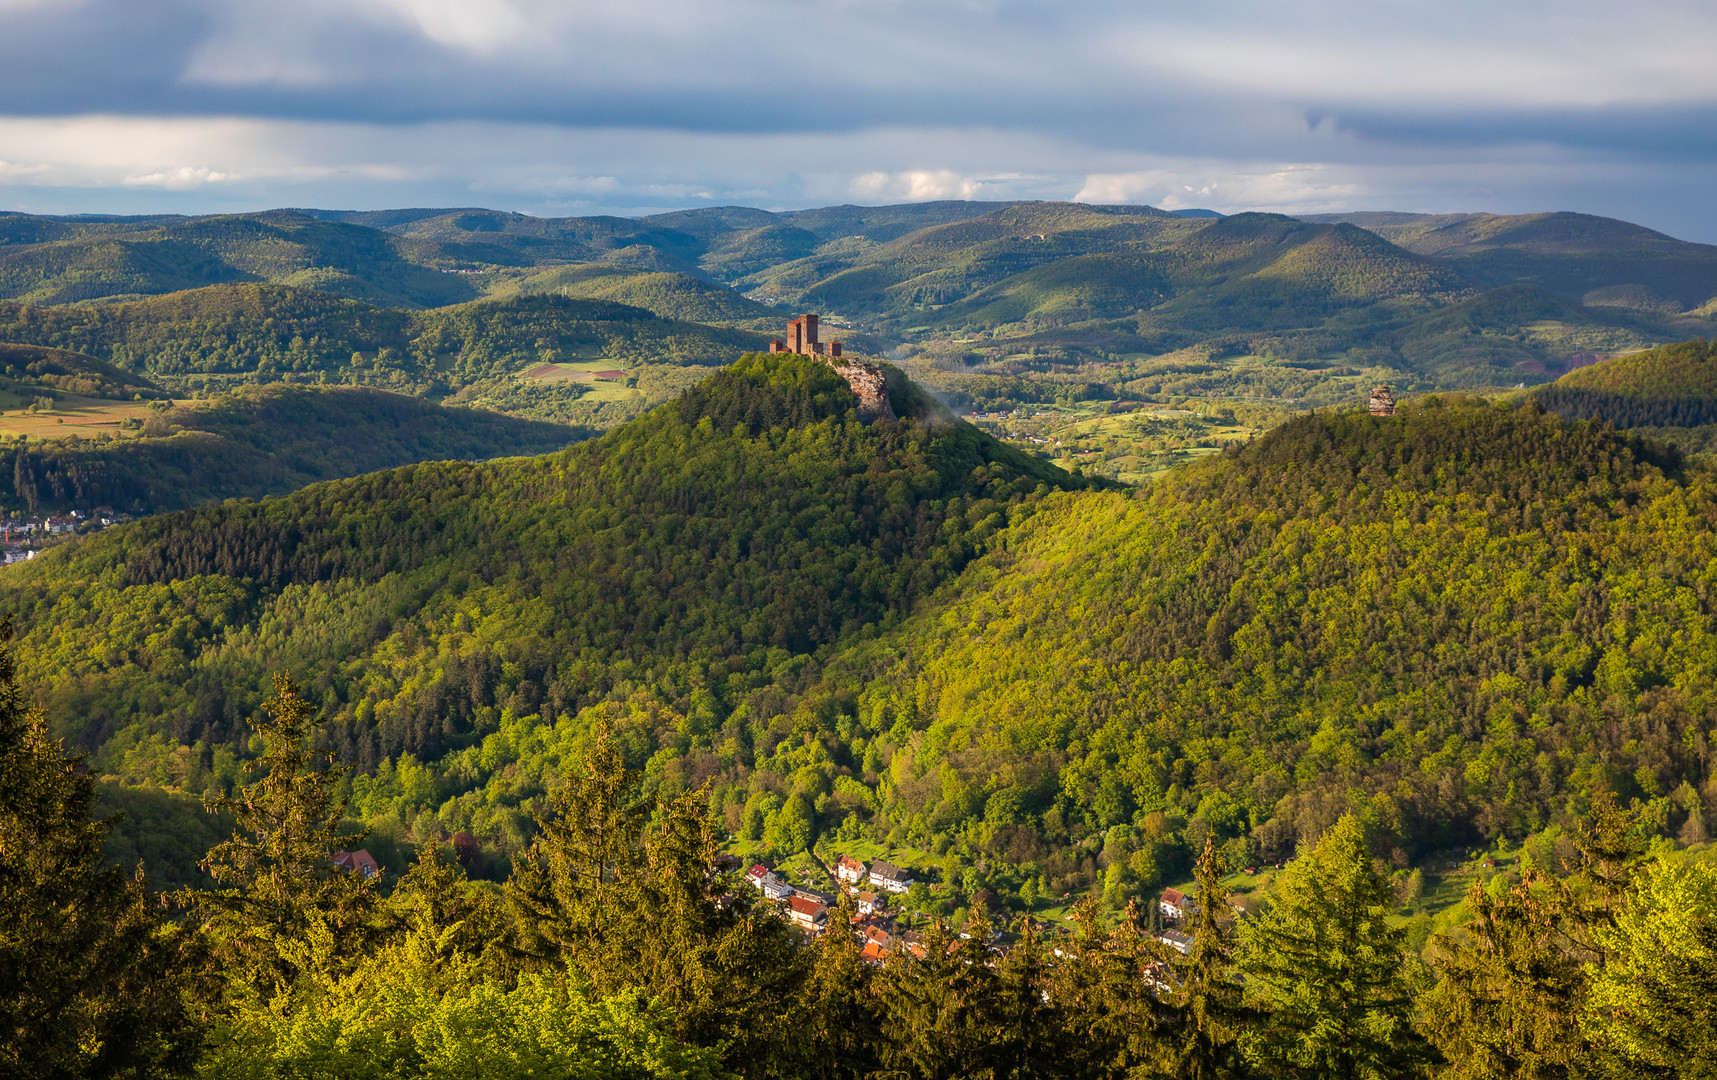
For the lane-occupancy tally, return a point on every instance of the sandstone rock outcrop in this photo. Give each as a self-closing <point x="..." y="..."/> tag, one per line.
<point x="1381" y="402"/>
<point x="870" y="385"/>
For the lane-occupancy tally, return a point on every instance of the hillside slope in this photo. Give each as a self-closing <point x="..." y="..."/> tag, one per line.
<point x="674" y="564"/>
<point x="668" y="296"/>
<point x="490" y="352"/>
<point x="59" y="261"/>
<point x="1669" y="393"/>
<point x="1594" y="260"/>
<point x="1451" y="621"/>
<point x="33" y="368"/>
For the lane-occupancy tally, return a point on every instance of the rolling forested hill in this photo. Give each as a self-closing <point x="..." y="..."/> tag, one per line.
<point x="679" y="562"/>
<point x="59" y="261"/>
<point x="1074" y="311"/>
<point x="249" y="330"/>
<point x="1598" y="261"/>
<point x="1030" y="273"/>
<point x="670" y="296"/>
<point x="1450" y="621"/>
<point x="531" y="355"/>
<point x="35" y="369"/>
<point x="1453" y="622"/>
<point x="1669" y="393"/>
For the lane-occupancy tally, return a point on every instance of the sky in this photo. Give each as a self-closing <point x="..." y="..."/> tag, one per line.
<point x="572" y="107"/>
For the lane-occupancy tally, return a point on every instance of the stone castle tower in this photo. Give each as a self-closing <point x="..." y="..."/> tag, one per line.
<point x="868" y="382"/>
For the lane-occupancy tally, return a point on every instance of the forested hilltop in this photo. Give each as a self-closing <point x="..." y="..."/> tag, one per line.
<point x="1457" y="622"/>
<point x="1452" y="622"/>
<point x="668" y="569"/>
<point x="1669" y="394"/>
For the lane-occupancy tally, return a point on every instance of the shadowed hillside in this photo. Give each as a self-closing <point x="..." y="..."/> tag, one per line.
<point x="259" y="441"/>
<point x="1668" y="393"/>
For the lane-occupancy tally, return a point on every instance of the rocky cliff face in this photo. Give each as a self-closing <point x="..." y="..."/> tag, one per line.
<point x="871" y="386"/>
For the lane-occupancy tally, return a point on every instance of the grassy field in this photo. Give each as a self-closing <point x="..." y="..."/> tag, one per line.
<point x="1133" y="445"/>
<point x="606" y="380"/>
<point x="86" y="418"/>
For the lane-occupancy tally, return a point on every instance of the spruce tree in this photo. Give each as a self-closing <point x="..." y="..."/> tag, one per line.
<point x="945" y="1015"/>
<point x="585" y="868"/>
<point x="277" y="872"/>
<point x="839" y="1006"/>
<point x="1329" y="972"/>
<point x="628" y="893"/>
<point x="94" y="980"/>
<point x="436" y="892"/>
<point x="1207" y="1012"/>
<point x="1512" y="991"/>
<point x="1103" y="995"/>
<point x="1035" y="1047"/>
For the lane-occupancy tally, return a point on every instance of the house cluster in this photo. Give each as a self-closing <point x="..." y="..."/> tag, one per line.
<point x="21" y="537"/>
<point x="870" y="886"/>
<point x="805" y="908"/>
<point x="1177" y="907"/>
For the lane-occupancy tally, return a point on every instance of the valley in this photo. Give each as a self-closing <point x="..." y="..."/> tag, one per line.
<point x="995" y="306"/>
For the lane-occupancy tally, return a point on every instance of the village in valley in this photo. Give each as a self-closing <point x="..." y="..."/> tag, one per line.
<point x="22" y="536"/>
<point x="882" y="926"/>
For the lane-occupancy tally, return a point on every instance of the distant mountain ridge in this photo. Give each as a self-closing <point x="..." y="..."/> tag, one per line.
<point x="1027" y="289"/>
<point x="1593" y="260"/>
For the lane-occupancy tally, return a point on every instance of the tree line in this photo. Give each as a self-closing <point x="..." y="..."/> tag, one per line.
<point x="621" y="944"/>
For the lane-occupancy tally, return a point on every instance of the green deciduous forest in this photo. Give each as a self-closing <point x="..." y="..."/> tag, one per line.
<point x="1458" y="624"/>
<point x="221" y="332"/>
<point x="1669" y="393"/>
<point x="623" y="943"/>
<point x="1419" y="706"/>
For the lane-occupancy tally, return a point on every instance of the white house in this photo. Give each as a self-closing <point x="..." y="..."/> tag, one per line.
<point x="889" y="878"/>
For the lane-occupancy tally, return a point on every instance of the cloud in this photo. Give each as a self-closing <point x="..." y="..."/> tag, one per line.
<point x="184" y="178"/>
<point x="202" y="164"/>
<point x="924" y="185"/>
<point x="617" y="103"/>
<point x="10" y="171"/>
<point x="1290" y="187"/>
<point x="481" y="26"/>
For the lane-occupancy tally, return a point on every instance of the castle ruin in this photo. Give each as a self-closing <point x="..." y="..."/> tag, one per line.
<point x="802" y="339"/>
<point x="867" y="381"/>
